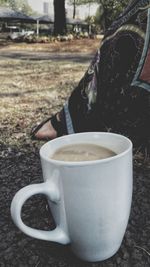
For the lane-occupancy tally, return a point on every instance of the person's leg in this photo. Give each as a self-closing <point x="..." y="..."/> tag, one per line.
<point x="46" y="131"/>
<point x="78" y="114"/>
<point x="55" y="126"/>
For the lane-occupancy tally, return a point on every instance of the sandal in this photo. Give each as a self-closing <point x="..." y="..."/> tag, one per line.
<point x="58" y="125"/>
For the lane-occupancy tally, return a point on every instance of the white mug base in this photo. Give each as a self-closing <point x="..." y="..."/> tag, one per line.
<point x="97" y="256"/>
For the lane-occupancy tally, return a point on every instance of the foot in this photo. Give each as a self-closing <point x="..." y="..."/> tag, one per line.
<point x="46" y="131"/>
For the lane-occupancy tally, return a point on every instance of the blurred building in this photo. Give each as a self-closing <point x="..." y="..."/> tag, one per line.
<point x="44" y="7"/>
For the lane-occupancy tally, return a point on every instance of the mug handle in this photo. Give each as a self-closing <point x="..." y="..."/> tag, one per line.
<point x="49" y="189"/>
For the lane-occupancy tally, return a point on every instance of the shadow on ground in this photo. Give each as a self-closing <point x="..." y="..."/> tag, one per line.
<point x="36" y="56"/>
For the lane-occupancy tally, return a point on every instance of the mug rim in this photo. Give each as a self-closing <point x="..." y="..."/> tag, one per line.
<point x="89" y="162"/>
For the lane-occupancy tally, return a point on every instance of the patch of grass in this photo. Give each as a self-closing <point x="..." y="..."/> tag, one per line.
<point x="75" y="46"/>
<point x="34" y="89"/>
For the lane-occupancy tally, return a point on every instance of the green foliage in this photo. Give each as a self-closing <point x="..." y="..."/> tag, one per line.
<point x="25" y="7"/>
<point x="18" y="5"/>
<point x="98" y="15"/>
<point x="13" y="4"/>
<point x="3" y="2"/>
<point x="81" y="2"/>
<point x="90" y="20"/>
<point x="109" y="10"/>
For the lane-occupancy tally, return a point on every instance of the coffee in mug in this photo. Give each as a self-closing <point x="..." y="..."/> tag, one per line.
<point x="90" y="200"/>
<point x="82" y="152"/>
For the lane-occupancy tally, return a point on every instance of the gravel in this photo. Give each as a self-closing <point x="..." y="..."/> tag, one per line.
<point x="20" y="167"/>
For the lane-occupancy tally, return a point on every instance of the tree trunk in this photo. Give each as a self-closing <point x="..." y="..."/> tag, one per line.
<point x="74" y="9"/>
<point x="60" y="17"/>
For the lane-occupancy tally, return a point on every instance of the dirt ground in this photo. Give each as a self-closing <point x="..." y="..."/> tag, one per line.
<point x="35" y="81"/>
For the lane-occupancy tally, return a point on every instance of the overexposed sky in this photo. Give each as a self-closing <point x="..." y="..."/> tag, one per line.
<point x="83" y="12"/>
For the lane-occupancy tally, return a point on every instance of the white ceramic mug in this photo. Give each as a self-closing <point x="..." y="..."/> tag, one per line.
<point x="90" y="201"/>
